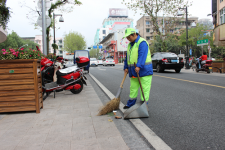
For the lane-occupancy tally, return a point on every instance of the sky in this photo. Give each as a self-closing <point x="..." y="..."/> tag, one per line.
<point x="85" y="19"/>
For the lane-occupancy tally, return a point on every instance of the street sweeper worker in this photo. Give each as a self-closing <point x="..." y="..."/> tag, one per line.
<point x="138" y="52"/>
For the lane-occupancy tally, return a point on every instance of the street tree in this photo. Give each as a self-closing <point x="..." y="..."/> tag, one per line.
<point x="94" y="53"/>
<point x="4" y="14"/>
<point x="194" y="34"/>
<point x="14" y="41"/>
<point x="171" y="44"/>
<point x="152" y="8"/>
<point x="64" y="6"/>
<point x="74" y="41"/>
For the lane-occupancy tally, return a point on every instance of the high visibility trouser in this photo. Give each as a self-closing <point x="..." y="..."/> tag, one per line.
<point x="146" y="83"/>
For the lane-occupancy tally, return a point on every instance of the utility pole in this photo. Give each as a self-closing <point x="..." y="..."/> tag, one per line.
<point x="44" y="43"/>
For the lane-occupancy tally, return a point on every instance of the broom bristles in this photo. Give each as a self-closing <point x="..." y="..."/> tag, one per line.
<point x="110" y="106"/>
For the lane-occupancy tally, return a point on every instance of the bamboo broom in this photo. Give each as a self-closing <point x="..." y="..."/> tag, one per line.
<point x="114" y="103"/>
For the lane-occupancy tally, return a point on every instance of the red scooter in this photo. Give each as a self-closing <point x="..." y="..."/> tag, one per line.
<point x="205" y="67"/>
<point x="71" y="78"/>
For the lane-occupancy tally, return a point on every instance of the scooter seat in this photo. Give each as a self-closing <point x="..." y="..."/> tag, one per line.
<point x="58" y="73"/>
<point x="66" y="71"/>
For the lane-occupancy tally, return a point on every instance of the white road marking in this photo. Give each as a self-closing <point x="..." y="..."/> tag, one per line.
<point x="152" y="138"/>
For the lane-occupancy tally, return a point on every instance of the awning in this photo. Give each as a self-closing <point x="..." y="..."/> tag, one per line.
<point x="106" y="38"/>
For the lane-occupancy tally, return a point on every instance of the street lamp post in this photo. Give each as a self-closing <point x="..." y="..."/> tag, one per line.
<point x="192" y="25"/>
<point x="60" y="20"/>
<point x="187" y="57"/>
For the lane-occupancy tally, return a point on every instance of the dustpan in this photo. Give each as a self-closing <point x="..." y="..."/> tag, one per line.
<point x="140" y="109"/>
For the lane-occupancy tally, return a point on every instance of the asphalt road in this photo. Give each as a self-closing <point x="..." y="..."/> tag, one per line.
<point x="186" y="109"/>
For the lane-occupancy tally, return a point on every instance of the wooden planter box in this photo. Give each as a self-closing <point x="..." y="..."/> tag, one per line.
<point x="20" y="85"/>
<point x="218" y="64"/>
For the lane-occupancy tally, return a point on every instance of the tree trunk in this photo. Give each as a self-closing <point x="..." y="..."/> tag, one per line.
<point x="48" y="39"/>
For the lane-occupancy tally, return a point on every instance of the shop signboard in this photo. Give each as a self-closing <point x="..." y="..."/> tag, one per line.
<point x="118" y="12"/>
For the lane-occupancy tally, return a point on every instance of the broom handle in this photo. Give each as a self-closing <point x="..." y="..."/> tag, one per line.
<point x="140" y="82"/>
<point x="121" y="85"/>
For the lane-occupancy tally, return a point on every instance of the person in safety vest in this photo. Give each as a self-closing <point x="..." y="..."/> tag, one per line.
<point x="138" y="51"/>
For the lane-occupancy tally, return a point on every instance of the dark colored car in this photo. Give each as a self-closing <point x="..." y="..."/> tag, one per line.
<point x="167" y="60"/>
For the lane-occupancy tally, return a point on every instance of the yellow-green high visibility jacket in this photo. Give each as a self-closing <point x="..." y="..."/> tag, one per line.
<point x="139" y="53"/>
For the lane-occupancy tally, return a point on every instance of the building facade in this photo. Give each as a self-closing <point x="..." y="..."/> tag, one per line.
<point x="115" y="15"/>
<point x="3" y="35"/>
<point x="114" y="45"/>
<point x="207" y="22"/>
<point x="218" y="14"/>
<point x="38" y="39"/>
<point x="147" y="31"/>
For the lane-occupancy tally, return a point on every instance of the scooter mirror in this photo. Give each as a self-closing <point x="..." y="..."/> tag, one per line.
<point x="66" y="59"/>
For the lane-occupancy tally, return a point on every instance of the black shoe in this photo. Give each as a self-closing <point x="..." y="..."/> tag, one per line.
<point x="126" y="107"/>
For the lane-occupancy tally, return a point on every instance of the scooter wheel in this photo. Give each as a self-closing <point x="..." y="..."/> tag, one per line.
<point x="74" y="91"/>
<point x="208" y="71"/>
<point x="196" y="70"/>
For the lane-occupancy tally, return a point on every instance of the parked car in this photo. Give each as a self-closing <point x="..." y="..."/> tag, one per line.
<point x="100" y="62"/>
<point x="109" y="61"/>
<point x="167" y="60"/>
<point x="93" y="62"/>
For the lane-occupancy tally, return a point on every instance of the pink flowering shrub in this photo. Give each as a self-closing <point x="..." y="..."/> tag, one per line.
<point x="20" y="54"/>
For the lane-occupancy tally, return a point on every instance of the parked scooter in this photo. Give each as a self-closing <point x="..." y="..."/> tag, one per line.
<point x="207" y="66"/>
<point x="48" y="68"/>
<point x="71" y="78"/>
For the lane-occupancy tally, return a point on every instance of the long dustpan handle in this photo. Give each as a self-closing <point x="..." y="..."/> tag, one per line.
<point x="140" y="83"/>
<point x="121" y="85"/>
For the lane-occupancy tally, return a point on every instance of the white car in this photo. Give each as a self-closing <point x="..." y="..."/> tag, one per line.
<point x="109" y="61"/>
<point x="100" y="62"/>
<point x="93" y="62"/>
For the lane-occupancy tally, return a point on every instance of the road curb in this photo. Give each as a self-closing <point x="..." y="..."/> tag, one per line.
<point x="151" y="137"/>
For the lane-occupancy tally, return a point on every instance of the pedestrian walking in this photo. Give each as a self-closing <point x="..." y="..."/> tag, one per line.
<point x="138" y="52"/>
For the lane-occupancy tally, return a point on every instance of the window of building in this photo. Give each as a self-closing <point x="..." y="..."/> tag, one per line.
<point x="221" y="1"/>
<point x="103" y="32"/>
<point x="147" y="22"/>
<point x="128" y="26"/>
<point x="147" y="30"/>
<point x="171" y="31"/>
<point x="148" y="37"/>
<point x="222" y="16"/>
<point x="60" y="52"/>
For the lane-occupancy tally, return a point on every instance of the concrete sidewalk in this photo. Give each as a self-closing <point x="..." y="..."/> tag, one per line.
<point x="68" y="122"/>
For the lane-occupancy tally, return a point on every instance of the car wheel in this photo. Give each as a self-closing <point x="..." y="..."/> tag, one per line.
<point x="106" y="65"/>
<point x="177" y="70"/>
<point x="113" y="65"/>
<point x="159" y="68"/>
<point x="208" y="71"/>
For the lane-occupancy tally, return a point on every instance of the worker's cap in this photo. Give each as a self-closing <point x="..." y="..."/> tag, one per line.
<point x="128" y="32"/>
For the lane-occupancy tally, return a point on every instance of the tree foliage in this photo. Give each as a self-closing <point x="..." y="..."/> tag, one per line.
<point x="64" y="6"/>
<point x="152" y="8"/>
<point x="94" y="53"/>
<point x="74" y="41"/>
<point x="174" y="43"/>
<point x="14" y="41"/>
<point x="170" y="44"/>
<point x="194" y="35"/>
<point x="4" y="15"/>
